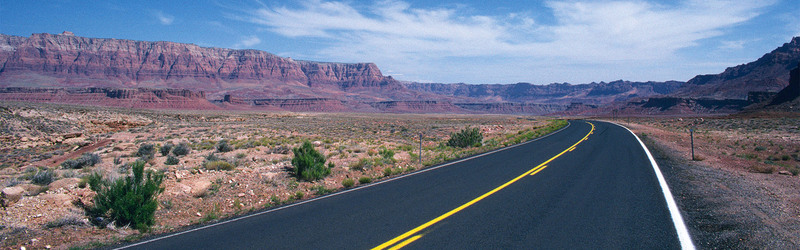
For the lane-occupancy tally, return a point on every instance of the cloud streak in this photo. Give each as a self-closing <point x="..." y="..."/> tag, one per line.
<point x="162" y="18"/>
<point x="583" y="32"/>
<point x="248" y="42"/>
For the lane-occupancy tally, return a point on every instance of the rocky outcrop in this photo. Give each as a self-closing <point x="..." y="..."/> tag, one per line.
<point x="770" y="73"/>
<point x="791" y="92"/>
<point x="129" y="98"/>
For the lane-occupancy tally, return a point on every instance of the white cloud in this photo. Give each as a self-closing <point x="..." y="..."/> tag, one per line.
<point x="731" y="45"/>
<point x="248" y="42"/>
<point x="394" y="32"/>
<point x="163" y="18"/>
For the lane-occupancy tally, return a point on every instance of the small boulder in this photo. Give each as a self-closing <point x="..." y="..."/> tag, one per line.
<point x="11" y="194"/>
<point x="200" y="187"/>
<point x="784" y="172"/>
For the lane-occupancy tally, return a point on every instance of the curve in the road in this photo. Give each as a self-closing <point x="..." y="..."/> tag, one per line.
<point x="407" y="237"/>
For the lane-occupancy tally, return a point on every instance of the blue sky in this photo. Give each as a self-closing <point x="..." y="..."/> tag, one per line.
<point x="449" y="41"/>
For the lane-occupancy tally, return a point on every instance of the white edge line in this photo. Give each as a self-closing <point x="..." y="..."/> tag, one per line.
<point x="680" y="226"/>
<point x="345" y="191"/>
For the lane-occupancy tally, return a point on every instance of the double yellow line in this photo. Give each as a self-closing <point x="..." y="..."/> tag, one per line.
<point x="407" y="237"/>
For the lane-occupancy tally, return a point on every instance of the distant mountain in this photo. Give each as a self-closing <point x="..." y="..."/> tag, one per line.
<point x="770" y="73"/>
<point x="555" y="93"/>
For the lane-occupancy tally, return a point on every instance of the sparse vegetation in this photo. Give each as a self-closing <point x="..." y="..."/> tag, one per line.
<point x="374" y="146"/>
<point x="86" y="160"/>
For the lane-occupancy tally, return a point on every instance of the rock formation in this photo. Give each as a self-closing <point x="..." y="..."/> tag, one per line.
<point x="770" y="73"/>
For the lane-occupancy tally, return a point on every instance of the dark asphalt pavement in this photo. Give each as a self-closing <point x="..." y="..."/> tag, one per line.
<point x="603" y="194"/>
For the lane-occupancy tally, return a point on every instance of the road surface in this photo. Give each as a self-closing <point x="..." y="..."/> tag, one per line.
<point x="590" y="185"/>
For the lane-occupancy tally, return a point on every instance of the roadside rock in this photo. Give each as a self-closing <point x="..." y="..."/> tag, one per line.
<point x="199" y="187"/>
<point x="784" y="172"/>
<point x="11" y="194"/>
<point x="66" y="183"/>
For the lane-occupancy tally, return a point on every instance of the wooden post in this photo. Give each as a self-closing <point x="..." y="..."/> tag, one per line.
<point x="420" y="149"/>
<point x="691" y="135"/>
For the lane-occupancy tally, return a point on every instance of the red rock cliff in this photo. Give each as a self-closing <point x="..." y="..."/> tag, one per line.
<point x="161" y="64"/>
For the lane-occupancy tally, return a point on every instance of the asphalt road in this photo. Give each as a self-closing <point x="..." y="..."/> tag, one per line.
<point x="603" y="193"/>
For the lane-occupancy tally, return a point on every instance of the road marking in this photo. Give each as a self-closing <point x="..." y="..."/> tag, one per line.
<point x="406" y="242"/>
<point x="674" y="212"/>
<point x="540" y="169"/>
<point x="462" y="207"/>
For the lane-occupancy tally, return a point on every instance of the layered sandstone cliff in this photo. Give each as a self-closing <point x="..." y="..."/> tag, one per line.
<point x="98" y="62"/>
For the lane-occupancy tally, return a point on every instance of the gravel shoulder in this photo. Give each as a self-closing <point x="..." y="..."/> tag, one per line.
<point x="725" y="205"/>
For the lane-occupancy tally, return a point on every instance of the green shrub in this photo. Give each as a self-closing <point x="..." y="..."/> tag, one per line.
<point x="182" y="149"/>
<point x="321" y="190"/>
<point x="308" y="163"/>
<point x="387" y="171"/>
<point x="126" y="201"/>
<point x="172" y="160"/>
<point x="165" y="149"/>
<point x="146" y="152"/>
<point x="467" y="137"/>
<point x="84" y="160"/>
<point x="299" y="195"/>
<point x="347" y="183"/>
<point x="364" y="180"/>
<point x="223" y="146"/>
<point x="386" y="153"/>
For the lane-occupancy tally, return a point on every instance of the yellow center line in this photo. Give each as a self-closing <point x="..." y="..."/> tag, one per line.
<point x="462" y="207"/>
<point x="406" y="242"/>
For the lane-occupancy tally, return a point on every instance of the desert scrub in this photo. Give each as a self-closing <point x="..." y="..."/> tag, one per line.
<point x="126" y="201"/>
<point x="364" y="180"/>
<point x="361" y="164"/>
<point x="223" y="146"/>
<point x="172" y="160"/>
<point x="43" y="177"/>
<point x="164" y="150"/>
<point x="308" y="163"/>
<point x="218" y="165"/>
<point x="467" y="137"/>
<point x="181" y="149"/>
<point x="146" y="152"/>
<point x="84" y="160"/>
<point x="347" y="183"/>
